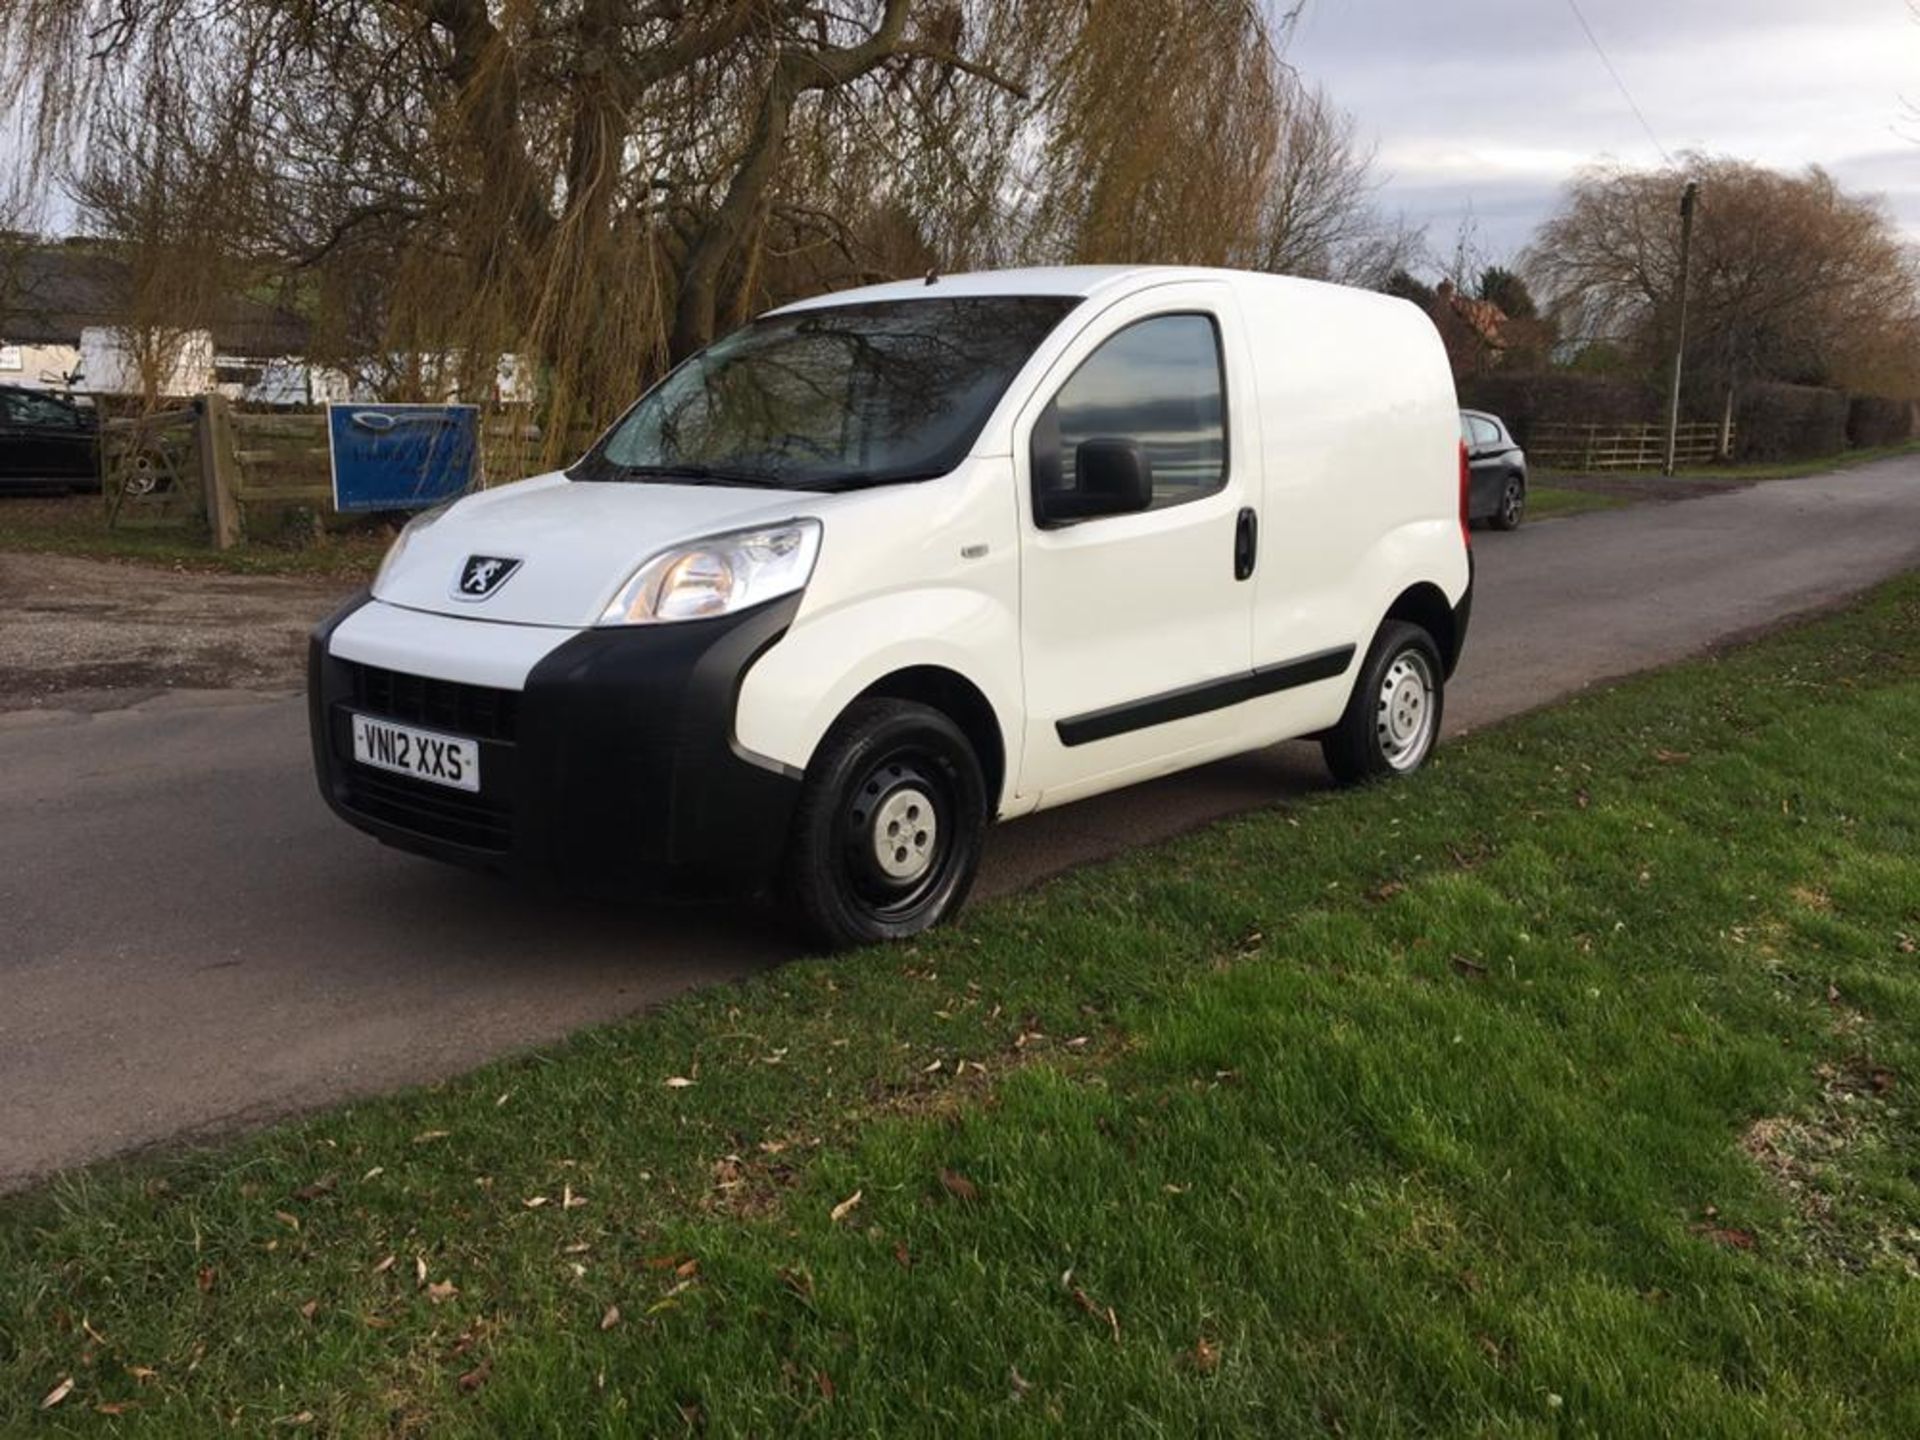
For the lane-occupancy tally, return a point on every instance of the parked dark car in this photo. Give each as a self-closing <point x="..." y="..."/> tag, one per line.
<point x="1498" y="492"/>
<point x="47" y="440"/>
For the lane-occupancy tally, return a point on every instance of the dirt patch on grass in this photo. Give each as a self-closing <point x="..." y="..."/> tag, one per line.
<point x="1809" y="1158"/>
<point x="92" y="635"/>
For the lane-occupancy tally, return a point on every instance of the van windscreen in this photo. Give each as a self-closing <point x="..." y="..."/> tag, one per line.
<point x="831" y="398"/>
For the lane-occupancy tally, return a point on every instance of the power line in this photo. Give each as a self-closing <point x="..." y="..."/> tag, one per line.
<point x="1625" y="94"/>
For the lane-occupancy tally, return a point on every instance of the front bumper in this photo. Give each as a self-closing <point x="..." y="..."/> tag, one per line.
<point x="612" y="771"/>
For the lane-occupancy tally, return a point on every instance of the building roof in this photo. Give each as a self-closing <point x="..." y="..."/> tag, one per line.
<point x="50" y="293"/>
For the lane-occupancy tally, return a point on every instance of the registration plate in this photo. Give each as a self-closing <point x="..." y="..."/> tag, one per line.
<point x="438" y="759"/>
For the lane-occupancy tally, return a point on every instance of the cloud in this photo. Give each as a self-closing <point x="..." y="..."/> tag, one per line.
<point x="1490" y="106"/>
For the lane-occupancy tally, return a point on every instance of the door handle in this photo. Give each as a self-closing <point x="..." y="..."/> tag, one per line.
<point x="1246" y="543"/>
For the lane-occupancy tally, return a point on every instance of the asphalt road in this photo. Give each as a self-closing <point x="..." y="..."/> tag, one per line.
<point x="190" y="942"/>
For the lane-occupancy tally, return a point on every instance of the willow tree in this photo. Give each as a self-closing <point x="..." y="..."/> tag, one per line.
<point x="601" y="185"/>
<point x="1791" y="278"/>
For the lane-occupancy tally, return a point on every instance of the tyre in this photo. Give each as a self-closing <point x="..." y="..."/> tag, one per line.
<point x="1393" y="717"/>
<point x="1513" y="505"/>
<point x="887" y="833"/>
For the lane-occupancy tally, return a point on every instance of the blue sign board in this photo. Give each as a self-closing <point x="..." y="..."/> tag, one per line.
<point x="402" y="457"/>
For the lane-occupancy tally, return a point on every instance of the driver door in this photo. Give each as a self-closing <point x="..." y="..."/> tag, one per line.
<point x="1136" y="626"/>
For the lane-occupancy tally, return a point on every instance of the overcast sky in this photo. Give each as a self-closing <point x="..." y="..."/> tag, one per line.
<point x="1488" y="106"/>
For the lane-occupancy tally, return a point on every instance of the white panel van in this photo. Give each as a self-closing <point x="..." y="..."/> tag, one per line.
<point x="889" y="564"/>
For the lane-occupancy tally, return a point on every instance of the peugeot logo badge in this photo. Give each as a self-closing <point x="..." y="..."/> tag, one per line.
<point x="482" y="575"/>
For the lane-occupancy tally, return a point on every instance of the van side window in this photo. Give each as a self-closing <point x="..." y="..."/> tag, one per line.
<point x="1158" y="382"/>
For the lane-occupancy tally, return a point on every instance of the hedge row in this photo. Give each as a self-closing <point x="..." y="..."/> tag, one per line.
<point x="1772" y="421"/>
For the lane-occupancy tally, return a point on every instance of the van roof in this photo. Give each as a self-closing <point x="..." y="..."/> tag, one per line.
<point x="1079" y="280"/>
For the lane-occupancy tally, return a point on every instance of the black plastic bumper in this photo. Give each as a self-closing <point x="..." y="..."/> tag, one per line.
<point x="614" y="771"/>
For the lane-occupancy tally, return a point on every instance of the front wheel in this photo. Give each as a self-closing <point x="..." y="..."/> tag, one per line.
<point x="889" y="827"/>
<point x="1393" y="717"/>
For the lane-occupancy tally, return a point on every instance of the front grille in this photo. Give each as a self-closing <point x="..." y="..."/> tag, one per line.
<point x="480" y="822"/>
<point x="479" y="711"/>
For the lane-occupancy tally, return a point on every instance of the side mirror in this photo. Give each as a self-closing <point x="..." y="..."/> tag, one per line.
<point x="1115" y="478"/>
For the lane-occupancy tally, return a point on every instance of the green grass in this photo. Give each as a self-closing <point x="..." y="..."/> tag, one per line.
<point x="1548" y="502"/>
<point x="1761" y="470"/>
<point x="1796" y="469"/>
<point x="77" y="526"/>
<point x="1564" y="1089"/>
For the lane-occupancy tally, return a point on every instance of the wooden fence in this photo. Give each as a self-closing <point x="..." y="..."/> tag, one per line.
<point x="205" y="463"/>
<point x="1625" y="446"/>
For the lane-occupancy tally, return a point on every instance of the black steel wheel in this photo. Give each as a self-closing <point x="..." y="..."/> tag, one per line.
<point x="888" y="831"/>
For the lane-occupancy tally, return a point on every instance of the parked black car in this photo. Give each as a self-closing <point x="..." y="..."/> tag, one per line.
<point x="1498" y="491"/>
<point x="47" y="440"/>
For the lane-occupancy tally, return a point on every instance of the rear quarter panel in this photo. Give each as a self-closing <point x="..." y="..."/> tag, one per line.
<point x="1362" y="432"/>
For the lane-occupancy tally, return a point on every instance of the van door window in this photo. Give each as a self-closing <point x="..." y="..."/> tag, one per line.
<point x="1158" y="382"/>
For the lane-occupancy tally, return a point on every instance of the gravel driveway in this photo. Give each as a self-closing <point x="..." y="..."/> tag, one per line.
<point x="94" y="635"/>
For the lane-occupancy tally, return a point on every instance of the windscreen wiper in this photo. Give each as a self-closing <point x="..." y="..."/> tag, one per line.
<point x="691" y="474"/>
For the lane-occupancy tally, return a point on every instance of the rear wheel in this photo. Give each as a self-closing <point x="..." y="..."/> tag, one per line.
<point x="1393" y="717"/>
<point x="888" y="831"/>
<point x="1513" y="505"/>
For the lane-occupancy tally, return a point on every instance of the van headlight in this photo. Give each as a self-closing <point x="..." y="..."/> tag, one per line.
<point x="718" y="575"/>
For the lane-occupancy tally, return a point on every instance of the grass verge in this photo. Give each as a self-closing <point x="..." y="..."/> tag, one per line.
<point x="1549" y="502"/>
<point x="1565" y="1088"/>
<point x="1796" y="469"/>
<point x="77" y="526"/>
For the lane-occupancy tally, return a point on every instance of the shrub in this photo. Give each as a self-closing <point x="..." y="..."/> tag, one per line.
<point x="1775" y="421"/>
<point x="1874" y="420"/>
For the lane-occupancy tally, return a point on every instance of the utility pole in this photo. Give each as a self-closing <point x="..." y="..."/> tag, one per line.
<point x="1680" y="342"/>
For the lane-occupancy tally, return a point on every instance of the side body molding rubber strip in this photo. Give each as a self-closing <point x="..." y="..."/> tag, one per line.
<point x="1208" y="695"/>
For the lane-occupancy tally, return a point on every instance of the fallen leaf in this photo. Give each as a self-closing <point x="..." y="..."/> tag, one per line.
<point x="958" y="1186"/>
<point x="571" y="1201"/>
<point x="687" y="1270"/>
<point x="442" y="1290"/>
<point x="420" y="1269"/>
<point x="425" y="1135"/>
<point x="116" y="1407"/>
<point x="323" y="1186"/>
<point x="476" y="1377"/>
<point x="385" y="1265"/>
<point x="58" y="1393"/>
<point x="305" y="1417"/>
<point x="374" y="1174"/>
<point x="677" y="1082"/>
<point x="901" y="1255"/>
<point x="310" y="1309"/>
<point x="291" y="1221"/>
<point x="206" y="1278"/>
<point x="825" y="1382"/>
<point x="1017" y="1383"/>
<point x="846" y="1207"/>
<point x="1672" y="757"/>
<point x="1472" y="969"/>
<point x="611" y="1318"/>
<point x="1206" y="1356"/>
<point x="578" y="1248"/>
<point x="145" y="1374"/>
<point x="534" y="1202"/>
<point x="1722" y="1235"/>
